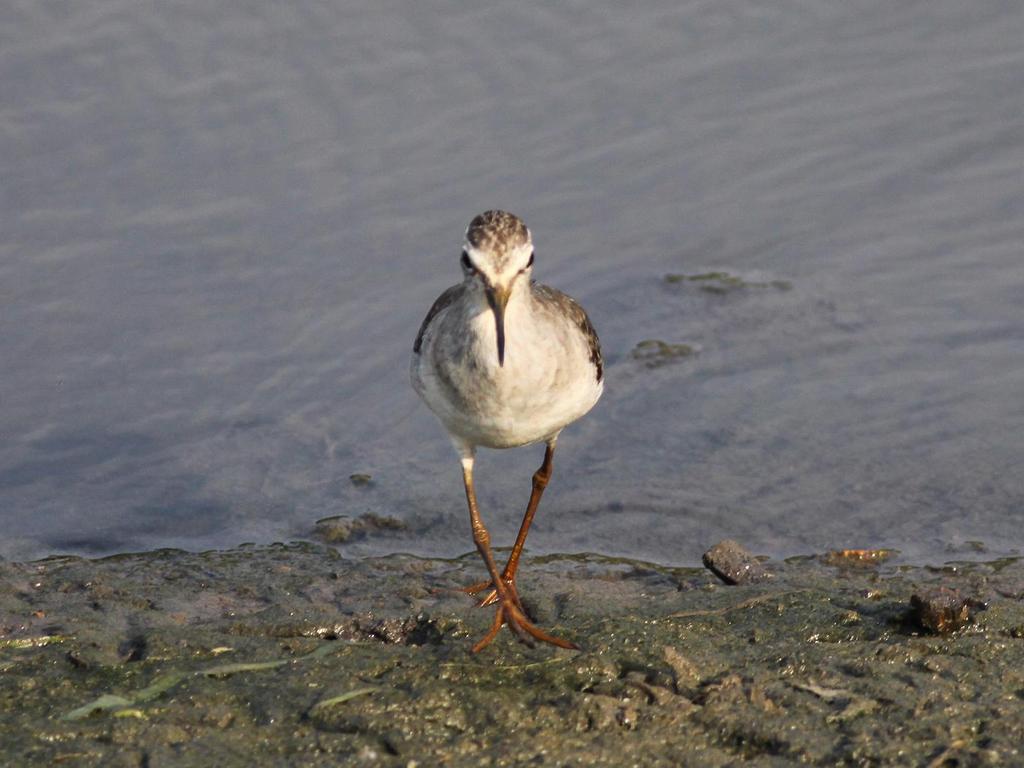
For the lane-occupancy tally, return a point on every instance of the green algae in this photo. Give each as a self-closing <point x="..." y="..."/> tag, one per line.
<point x="165" y="683"/>
<point x="339" y="529"/>
<point x="722" y="282"/>
<point x="105" y="703"/>
<point x="654" y="353"/>
<point x="342" y="698"/>
<point x="31" y="642"/>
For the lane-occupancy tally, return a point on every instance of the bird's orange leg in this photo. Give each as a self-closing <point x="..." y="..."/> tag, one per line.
<point x="540" y="482"/>
<point x="509" y="610"/>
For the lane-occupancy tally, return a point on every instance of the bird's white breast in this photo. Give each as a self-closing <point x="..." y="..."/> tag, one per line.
<point x="547" y="380"/>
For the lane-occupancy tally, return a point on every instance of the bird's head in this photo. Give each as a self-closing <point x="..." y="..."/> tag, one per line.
<point x="497" y="259"/>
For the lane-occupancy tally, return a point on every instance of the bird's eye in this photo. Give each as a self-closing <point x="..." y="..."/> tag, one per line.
<point x="466" y="263"/>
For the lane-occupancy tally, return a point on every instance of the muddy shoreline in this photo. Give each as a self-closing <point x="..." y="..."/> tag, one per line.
<point x="295" y="655"/>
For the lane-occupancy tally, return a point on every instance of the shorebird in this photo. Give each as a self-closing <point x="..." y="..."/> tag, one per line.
<point x="504" y="362"/>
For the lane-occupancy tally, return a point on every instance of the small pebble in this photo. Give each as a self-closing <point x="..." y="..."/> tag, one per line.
<point x="941" y="610"/>
<point x="733" y="564"/>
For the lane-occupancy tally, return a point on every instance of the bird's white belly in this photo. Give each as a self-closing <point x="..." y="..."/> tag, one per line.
<point x="546" y="382"/>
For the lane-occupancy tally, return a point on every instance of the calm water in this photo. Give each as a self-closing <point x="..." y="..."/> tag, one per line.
<point x="220" y="228"/>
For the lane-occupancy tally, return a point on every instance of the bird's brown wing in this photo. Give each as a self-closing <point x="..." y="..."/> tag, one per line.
<point x="443" y="301"/>
<point x="571" y="308"/>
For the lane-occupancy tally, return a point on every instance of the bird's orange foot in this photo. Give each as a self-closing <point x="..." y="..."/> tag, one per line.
<point x="492" y="597"/>
<point x="510" y="612"/>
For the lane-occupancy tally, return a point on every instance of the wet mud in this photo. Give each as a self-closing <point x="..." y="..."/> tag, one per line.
<point x="295" y="655"/>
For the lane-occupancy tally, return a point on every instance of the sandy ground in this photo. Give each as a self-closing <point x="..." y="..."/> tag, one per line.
<point x="294" y="655"/>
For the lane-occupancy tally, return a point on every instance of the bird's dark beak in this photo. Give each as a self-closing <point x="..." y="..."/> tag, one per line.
<point x="497" y="298"/>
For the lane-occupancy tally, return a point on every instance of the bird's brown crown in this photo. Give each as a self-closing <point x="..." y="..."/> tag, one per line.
<point x="497" y="232"/>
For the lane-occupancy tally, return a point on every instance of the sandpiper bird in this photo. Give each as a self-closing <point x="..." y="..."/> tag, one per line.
<point x="504" y="362"/>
